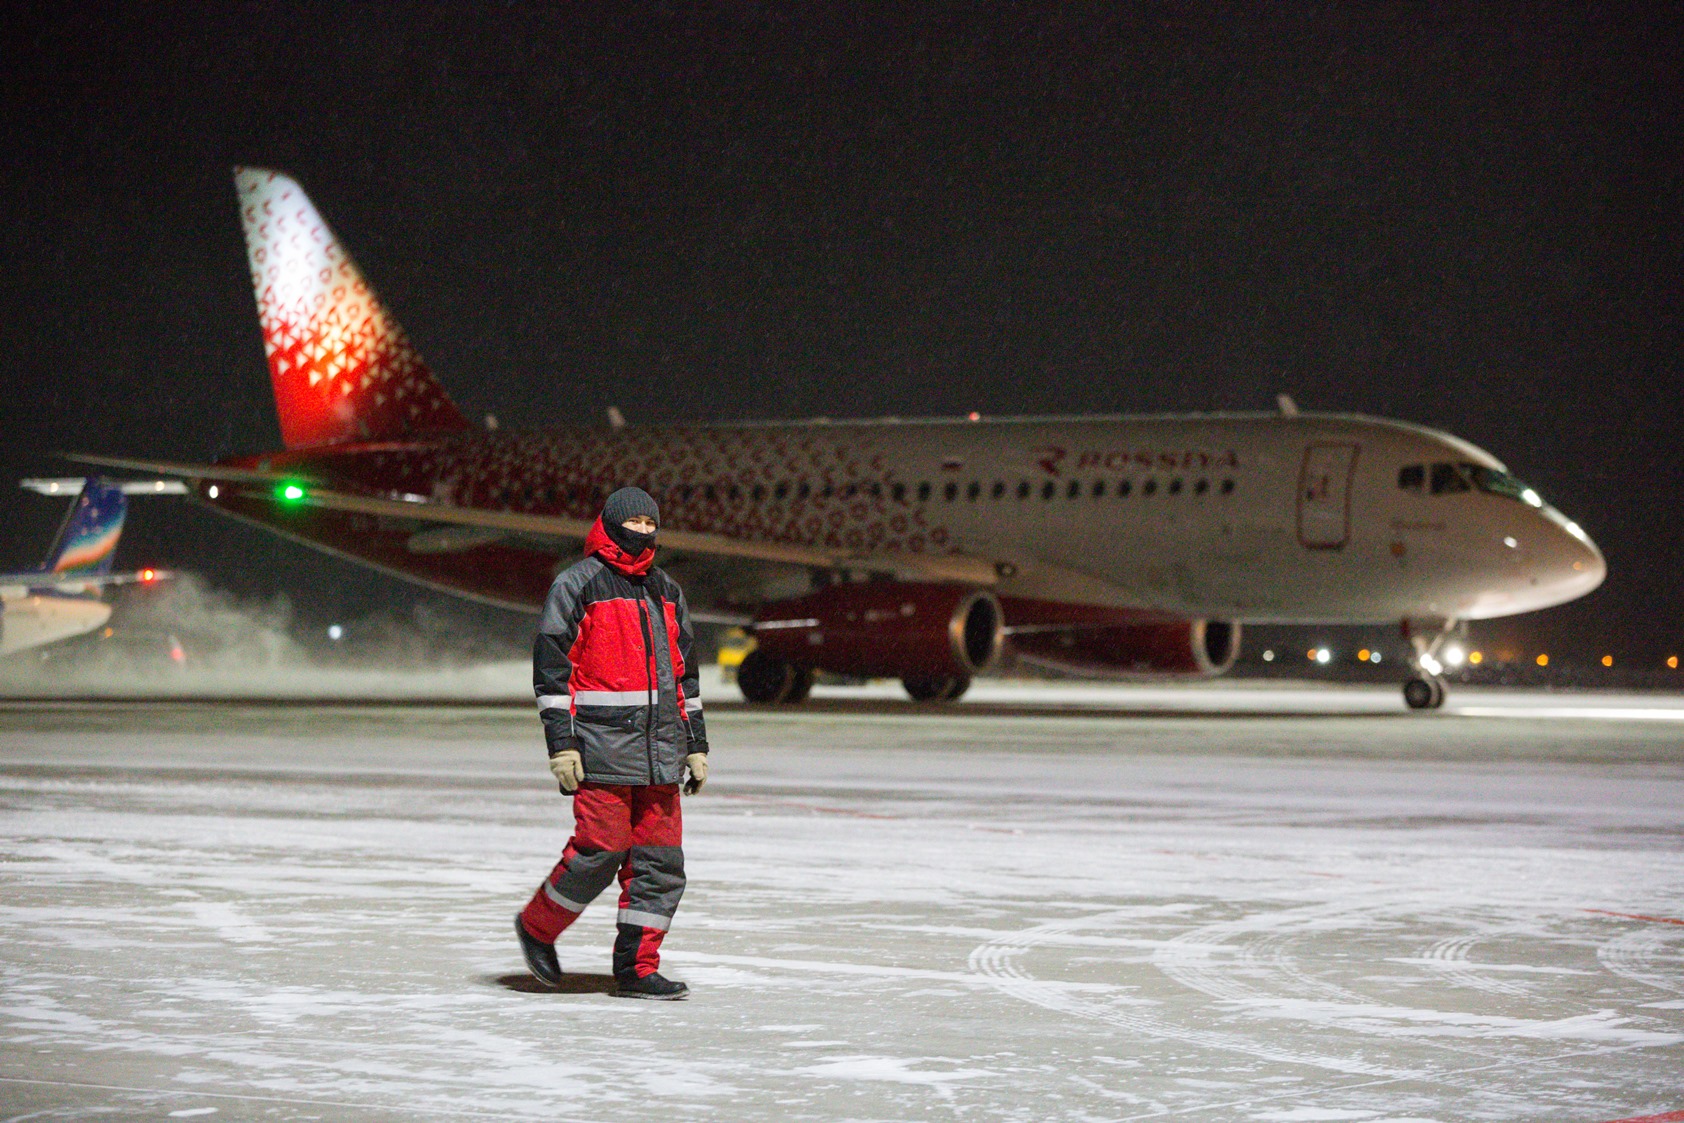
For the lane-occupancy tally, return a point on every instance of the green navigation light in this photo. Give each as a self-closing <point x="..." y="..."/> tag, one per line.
<point x="291" y="493"/>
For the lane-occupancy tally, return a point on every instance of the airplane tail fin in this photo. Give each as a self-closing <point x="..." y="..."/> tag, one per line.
<point x="87" y="540"/>
<point x="342" y="368"/>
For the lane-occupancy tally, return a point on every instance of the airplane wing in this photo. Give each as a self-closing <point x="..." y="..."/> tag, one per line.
<point x="966" y="569"/>
<point x="72" y="485"/>
<point x="39" y="580"/>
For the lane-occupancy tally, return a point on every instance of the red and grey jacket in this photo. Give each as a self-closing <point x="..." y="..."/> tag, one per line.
<point x="613" y="670"/>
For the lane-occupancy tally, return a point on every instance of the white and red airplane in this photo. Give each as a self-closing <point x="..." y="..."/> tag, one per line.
<point x="916" y="549"/>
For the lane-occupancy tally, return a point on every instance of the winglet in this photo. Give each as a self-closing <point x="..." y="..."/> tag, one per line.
<point x="342" y="367"/>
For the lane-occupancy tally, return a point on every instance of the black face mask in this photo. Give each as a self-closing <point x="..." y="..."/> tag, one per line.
<point x="631" y="542"/>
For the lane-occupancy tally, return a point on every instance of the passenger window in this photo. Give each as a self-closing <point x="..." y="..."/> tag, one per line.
<point x="1175" y="486"/>
<point x="1023" y="489"/>
<point x="1124" y="488"/>
<point x="827" y="491"/>
<point x="1047" y="489"/>
<point x="782" y="492"/>
<point x="1073" y="490"/>
<point x="950" y="492"/>
<point x="1227" y="487"/>
<point x="1099" y="489"/>
<point x="973" y="491"/>
<point x="999" y="488"/>
<point x="924" y="491"/>
<point x="900" y="492"/>
<point x="848" y="491"/>
<point x="1201" y="487"/>
<point x="1150" y="487"/>
<point x="1411" y="477"/>
<point x="1449" y="478"/>
<point x="759" y="492"/>
<point x="803" y="491"/>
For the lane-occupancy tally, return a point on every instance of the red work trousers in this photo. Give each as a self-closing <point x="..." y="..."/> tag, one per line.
<point x="635" y="833"/>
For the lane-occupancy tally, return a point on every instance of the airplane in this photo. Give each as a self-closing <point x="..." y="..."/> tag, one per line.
<point x="63" y="598"/>
<point x="924" y="550"/>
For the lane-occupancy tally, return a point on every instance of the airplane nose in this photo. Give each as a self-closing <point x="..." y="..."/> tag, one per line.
<point x="1569" y="563"/>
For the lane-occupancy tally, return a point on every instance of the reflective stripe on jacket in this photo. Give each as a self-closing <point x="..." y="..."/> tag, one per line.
<point x="613" y="669"/>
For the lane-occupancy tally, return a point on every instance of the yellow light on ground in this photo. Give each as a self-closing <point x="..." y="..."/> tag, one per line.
<point x="1607" y="660"/>
<point x="1543" y="660"/>
<point x="1476" y="657"/>
<point x="1672" y="661"/>
<point x="1362" y="656"/>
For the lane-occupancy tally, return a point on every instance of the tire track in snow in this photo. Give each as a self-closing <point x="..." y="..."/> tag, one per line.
<point x="1638" y="955"/>
<point x="996" y="961"/>
<point x="1450" y="959"/>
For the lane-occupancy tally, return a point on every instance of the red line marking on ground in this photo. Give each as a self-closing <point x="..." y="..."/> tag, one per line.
<point x="1653" y="920"/>
<point x="1669" y="1117"/>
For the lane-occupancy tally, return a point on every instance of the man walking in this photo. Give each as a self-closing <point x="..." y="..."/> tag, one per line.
<point x="621" y="706"/>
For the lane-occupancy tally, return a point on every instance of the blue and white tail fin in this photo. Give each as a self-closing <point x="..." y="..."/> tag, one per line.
<point x="87" y="540"/>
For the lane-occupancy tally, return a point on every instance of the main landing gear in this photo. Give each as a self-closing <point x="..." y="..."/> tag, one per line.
<point x="936" y="688"/>
<point x="767" y="680"/>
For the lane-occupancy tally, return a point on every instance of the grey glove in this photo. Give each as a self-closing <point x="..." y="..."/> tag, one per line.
<point x="697" y="763"/>
<point x="569" y="769"/>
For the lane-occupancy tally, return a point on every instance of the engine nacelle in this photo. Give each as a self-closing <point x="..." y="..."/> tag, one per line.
<point x="1178" y="647"/>
<point x="885" y="629"/>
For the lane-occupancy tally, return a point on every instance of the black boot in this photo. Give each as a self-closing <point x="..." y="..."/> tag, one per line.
<point x="653" y="985"/>
<point x="540" y="957"/>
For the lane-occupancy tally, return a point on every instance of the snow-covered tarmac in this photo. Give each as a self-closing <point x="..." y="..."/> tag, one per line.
<point x="302" y="912"/>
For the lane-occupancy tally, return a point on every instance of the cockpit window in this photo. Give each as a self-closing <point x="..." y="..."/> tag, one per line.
<point x="1448" y="478"/>
<point x="1501" y="483"/>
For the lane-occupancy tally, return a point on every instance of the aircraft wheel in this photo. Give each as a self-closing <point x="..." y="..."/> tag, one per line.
<point x="1423" y="693"/>
<point x="935" y="688"/>
<point x="801" y="684"/>
<point x="765" y="679"/>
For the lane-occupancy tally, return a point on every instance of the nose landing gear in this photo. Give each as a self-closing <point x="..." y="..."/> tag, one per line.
<point x="1425" y="692"/>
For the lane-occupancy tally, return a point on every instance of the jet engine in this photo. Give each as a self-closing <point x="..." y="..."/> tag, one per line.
<point x="933" y="637"/>
<point x="1119" y="650"/>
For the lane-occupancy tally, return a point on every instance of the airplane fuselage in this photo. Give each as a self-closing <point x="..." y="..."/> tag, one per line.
<point x="1259" y="517"/>
<point x="35" y="617"/>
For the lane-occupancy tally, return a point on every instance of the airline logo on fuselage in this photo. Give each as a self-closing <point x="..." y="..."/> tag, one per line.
<point x="1056" y="460"/>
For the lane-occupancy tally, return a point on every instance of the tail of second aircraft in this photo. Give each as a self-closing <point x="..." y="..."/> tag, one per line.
<point x="342" y="368"/>
<point x="87" y="540"/>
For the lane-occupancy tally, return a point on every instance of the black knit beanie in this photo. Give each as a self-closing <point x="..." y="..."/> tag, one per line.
<point x="622" y="505"/>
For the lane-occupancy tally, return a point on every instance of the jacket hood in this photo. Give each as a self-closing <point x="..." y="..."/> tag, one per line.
<point x="597" y="542"/>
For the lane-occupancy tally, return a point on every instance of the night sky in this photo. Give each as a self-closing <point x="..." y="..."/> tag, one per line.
<point x="1469" y="219"/>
